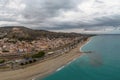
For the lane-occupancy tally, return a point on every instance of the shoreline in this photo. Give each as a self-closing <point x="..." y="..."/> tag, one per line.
<point x="44" y="68"/>
<point x="87" y="42"/>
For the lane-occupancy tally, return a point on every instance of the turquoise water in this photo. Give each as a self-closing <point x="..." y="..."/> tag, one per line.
<point x="102" y="64"/>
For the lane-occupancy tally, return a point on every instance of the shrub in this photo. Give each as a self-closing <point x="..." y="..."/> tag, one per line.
<point x="21" y="64"/>
<point x="27" y="56"/>
<point x="26" y="62"/>
<point x="39" y="54"/>
<point x="30" y="61"/>
<point x="2" y="61"/>
<point x="34" y="60"/>
<point x="5" y="51"/>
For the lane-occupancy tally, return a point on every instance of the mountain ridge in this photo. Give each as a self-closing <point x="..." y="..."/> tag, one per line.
<point x="24" y="33"/>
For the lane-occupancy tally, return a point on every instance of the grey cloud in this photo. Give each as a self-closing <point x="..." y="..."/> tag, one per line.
<point x="112" y="20"/>
<point x="41" y="10"/>
<point x="99" y="1"/>
<point x="40" y="13"/>
<point x="7" y="19"/>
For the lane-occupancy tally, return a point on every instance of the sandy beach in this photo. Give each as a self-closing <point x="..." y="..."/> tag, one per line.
<point x="43" y="68"/>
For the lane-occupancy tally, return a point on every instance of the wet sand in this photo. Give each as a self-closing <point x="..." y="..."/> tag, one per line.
<point x="43" y="68"/>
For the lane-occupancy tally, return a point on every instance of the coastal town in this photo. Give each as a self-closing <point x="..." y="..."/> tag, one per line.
<point x="9" y="46"/>
<point x="16" y="54"/>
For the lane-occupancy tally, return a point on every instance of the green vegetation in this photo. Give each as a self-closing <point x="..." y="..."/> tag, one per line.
<point x="2" y="61"/>
<point x="5" y="51"/>
<point x="22" y="64"/>
<point x="39" y="54"/>
<point x="27" y="56"/>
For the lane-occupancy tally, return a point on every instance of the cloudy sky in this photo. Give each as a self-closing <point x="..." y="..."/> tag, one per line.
<point x="62" y="15"/>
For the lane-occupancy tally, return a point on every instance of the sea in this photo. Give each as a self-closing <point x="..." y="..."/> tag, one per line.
<point x="100" y="61"/>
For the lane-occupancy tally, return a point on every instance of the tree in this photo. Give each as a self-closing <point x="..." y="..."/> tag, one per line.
<point x="2" y="61"/>
<point x="39" y="54"/>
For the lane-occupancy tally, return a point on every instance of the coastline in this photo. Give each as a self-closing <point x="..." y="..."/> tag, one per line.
<point x="44" y="68"/>
<point x="87" y="42"/>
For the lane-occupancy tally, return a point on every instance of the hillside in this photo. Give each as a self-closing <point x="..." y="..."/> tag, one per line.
<point x="23" y="33"/>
